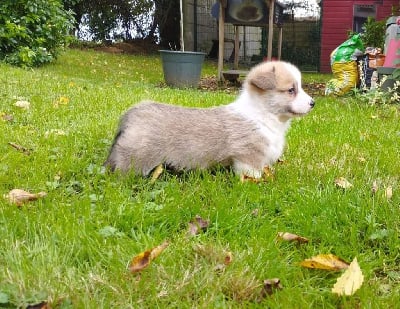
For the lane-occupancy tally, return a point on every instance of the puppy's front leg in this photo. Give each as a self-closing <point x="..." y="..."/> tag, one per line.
<point x="267" y="174"/>
<point x="247" y="171"/>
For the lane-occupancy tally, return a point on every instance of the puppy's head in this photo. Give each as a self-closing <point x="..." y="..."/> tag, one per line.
<point x="276" y="88"/>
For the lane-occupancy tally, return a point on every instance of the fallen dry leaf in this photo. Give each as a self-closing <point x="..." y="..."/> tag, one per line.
<point x="350" y="281"/>
<point x="19" y="197"/>
<point x="22" y="104"/>
<point x="228" y="258"/>
<point x="62" y="101"/>
<point x="20" y="148"/>
<point x="325" y="261"/>
<point x="42" y="305"/>
<point x="197" y="225"/>
<point x="268" y="173"/>
<point x="6" y="117"/>
<point x="143" y="260"/>
<point x="156" y="173"/>
<point x="361" y="159"/>
<point x="220" y="267"/>
<point x="59" y="102"/>
<point x="374" y="188"/>
<point x="389" y="192"/>
<point x="55" y="132"/>
<point x="292" y="237"/>
<point x="343" y="183"/>
<point x="269" y="287"/>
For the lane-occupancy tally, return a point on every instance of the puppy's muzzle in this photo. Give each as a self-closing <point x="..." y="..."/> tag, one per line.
<point x="312" y="103"/>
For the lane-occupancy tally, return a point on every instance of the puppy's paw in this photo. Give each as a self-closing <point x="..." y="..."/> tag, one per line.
<point x="246" y="178"/>
<point x="266" y="176"/>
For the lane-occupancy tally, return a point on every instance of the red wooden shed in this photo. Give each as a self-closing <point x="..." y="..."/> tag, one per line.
<point x="340" y="16"/>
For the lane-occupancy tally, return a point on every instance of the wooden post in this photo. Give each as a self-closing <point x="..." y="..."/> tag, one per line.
<point x="270" y="28"/>
<point x="236" y="48"/>
<point x="221" y="38"/>
<point x="280" y="42"/>
<point x="182" y="22"/>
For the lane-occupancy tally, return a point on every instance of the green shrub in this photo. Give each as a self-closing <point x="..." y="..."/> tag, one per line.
<point x="32" y="31"/>
<point x="374" y="33"/>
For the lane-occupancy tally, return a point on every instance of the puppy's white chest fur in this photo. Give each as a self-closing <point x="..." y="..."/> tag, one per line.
<point x="267" y="124"/>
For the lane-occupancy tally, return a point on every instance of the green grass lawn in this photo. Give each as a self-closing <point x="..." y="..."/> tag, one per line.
<point x="72" y="247"/>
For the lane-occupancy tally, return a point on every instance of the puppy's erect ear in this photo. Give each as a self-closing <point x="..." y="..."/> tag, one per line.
<point x="264" y="81"/>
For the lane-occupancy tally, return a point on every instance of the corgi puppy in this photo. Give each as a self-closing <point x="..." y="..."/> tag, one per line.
<point x="247" y="134"/>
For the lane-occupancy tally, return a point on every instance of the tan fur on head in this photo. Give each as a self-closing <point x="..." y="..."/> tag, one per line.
<point x="247" y="134"/>
<point x="261" y="78"/>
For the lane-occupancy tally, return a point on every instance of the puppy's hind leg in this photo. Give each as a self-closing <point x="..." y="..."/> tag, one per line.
<point x="118" y="158"/>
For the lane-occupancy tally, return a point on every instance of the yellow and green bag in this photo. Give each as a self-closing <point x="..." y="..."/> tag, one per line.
<point x="344" y="66"/>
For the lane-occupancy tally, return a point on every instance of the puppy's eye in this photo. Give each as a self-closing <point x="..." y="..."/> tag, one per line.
<point x="292" y="91"/>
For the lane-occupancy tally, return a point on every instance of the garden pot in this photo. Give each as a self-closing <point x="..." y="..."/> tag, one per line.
<point x="182" y="68"/>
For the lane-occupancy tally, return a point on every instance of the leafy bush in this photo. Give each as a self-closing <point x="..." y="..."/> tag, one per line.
<point x="374" y="33"/>
<point x="32" y="31"/>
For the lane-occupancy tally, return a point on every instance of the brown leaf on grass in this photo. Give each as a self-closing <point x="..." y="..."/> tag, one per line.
<point x="19" y="197"/>
<point x="374" y="188"/>
<point x="54" y="132"/>
<point x="268" y="173"/>
<point x="20" y="148"/>
<point x="228" y="258"/>
<point x="156" y="173"/>
<point x="326" y="262"/>
<point x="197" y="225"/>
<point x="6" y="117"/>
<point x="389" y="192"/>
<point x="343" y="183"/>
<point x="63" y="100"/>
<point x="361" y="159"/>
<point x="270" y="286"/>
<point x="292" y="237"/>
<point x="144" y="259"/>
<point x="42" y="305"/>
<point x="350" y="281"/>
<point x="220" y="267"/>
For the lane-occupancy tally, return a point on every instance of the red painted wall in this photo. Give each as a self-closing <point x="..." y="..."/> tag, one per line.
<point x="337" y="20"/>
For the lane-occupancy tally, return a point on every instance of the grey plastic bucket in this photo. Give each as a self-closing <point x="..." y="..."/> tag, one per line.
<point x="182" y="69"/>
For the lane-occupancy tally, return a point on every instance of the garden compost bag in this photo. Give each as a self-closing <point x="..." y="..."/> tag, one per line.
<point x="344" y="66"/>
<point x="346" y="78"/>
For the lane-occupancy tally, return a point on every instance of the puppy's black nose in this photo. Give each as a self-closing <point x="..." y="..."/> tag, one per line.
<point x="312" y="103"/>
